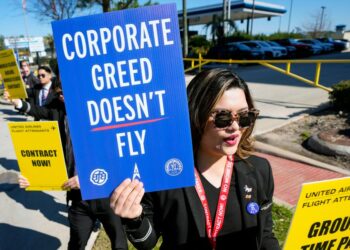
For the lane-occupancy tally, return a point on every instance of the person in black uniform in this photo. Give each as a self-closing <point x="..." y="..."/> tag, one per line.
<point x="27" y="75"/>
<point x="44" y="93"/>
<point x="230" y="205"/>
<point x="82" y="215"/>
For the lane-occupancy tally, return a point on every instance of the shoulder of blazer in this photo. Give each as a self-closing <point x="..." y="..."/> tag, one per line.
<point x="259" y="163"/>
<point x="262" y="169"/>
<point x="263" y="173"/>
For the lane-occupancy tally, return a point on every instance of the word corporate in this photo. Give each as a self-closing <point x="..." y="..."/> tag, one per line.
<point x="122" y="36"/>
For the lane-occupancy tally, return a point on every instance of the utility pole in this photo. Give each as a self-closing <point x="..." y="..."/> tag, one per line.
<point x="226" y="14"/>
<point x="184" y="24"/>
<point x="290" y="14"/>
<point x="323" y="7"/>
<point x="252" y="19"/>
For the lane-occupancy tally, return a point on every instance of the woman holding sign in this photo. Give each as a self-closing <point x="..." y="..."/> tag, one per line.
<point x="230" y="205"/>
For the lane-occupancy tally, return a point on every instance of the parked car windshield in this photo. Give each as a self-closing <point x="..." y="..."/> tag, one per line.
<point x="242" y="46"/>
<point x="264" y="44"/>
<point x="274" y="43"/>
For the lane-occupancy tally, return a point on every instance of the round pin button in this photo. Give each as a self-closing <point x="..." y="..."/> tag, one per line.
<point x="253" y="208"/>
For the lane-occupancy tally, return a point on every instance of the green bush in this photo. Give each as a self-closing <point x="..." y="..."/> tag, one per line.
<point x="198" y="45"/>
<point x="283" y="35"/>
<point x="340" y="94"/>
<point x="239" y="36"/>
<point x="305" y="135"/>
<point x="282" y="217"/>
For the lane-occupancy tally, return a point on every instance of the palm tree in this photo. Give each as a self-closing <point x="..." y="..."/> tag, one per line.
<point x="217" y="30"/>
<point x="48" y="39"/>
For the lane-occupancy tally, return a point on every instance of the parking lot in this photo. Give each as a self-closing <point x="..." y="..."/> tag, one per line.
<point x="281" y="98"/>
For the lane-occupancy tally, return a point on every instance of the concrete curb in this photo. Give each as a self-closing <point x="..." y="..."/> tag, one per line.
<point x="328" y="148"/>
<point x="283" y="203"/>
<point x="92" y="239"/>
<point x="266" y="148"/>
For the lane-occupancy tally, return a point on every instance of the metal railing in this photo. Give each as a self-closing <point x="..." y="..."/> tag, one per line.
<point x="200" y="61"/>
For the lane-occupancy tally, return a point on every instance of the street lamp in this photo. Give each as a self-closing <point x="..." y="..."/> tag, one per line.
<point x="290" y="14"/>
<point x="323" y="7"/>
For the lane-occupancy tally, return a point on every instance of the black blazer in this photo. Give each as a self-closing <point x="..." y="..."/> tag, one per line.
<point x="34" y="93"/>
<point x="169" y="213"/>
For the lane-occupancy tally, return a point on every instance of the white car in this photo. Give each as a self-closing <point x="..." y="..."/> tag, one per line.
<point x="275" y="46"/>
<point x="269" y="52"/>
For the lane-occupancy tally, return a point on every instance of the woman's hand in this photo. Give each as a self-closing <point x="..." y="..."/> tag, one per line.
<point x="125" y="200"/>
<point x="61" y="98"/>
<point x="6" y="95"/>
<point x="72" y="183"/>
<point x="23" y="181"/>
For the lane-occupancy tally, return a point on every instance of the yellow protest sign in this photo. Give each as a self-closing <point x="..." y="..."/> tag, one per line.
<point x="10" y="74"/>
<point x="322" y="217"/>
<point x="39" y="153"/>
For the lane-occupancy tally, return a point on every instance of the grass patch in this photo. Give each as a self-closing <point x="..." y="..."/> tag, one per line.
<point x="102" y="242"/>
<point x="280" y="214"/>
<point x="305" y="135"/>
<point x="281" y="217"/>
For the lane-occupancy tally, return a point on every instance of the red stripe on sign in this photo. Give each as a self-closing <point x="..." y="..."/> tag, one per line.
<point x="126" y="124"/>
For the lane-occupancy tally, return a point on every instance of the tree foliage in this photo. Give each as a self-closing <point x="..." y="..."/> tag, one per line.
<point x="217" y="28"/>
<point x="48" y="40"/>
<point x="317" y="24"/>
<point x="198" y="45"/>
<point x="243" y="36"/>
<point x="121" y="5"/>
<point x="2" y="42"/>
<point x="108" y="5"/>
<point x="52" y="9"/>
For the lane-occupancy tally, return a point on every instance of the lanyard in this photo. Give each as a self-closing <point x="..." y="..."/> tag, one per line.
<point x="213" y="231"/>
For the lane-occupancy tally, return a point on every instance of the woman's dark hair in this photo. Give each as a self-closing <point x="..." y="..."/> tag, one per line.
<point x="46" y="68"/>
<point x="203" y="92"/>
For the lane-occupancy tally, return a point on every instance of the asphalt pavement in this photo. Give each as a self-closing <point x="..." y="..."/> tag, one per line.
<point x="38" y="220"/>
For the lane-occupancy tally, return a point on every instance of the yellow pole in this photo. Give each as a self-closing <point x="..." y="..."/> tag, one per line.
<point x="288" y="67"/>
<point x="317" y="74"/>
<point x="200" y="62"/>
<point x="295" y="76"/>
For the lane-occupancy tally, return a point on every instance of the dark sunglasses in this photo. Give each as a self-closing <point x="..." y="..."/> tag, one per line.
<point x="41" y="76"/>
<point x="224" y="118"/>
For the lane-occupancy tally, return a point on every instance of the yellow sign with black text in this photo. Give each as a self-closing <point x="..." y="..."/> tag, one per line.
<point x="322" y="217"/>
<point x="10" y="74"/>
<point x="39" y="153"/>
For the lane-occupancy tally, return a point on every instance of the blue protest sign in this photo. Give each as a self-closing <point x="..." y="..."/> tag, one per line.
<point x="125" y="94"/>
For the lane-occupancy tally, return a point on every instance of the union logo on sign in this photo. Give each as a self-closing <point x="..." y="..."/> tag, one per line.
<point x="98" y="177"/>
<point x="173" y="167"/>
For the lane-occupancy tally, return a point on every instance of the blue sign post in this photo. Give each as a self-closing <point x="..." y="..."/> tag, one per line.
<point x="125" y="95"/>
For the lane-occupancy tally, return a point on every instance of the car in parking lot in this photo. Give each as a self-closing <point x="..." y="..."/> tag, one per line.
<point x="269" y="52"/>
<point x="345" y="41"/>
<point x="302" y="49"/>
<point x="291" y="51"/>
<point x="234" y="50"/>
<point x="338" y="45"/>
<point x="316" y="47"/>
<point x="325" y="47"/>
<point x="276" y="47"/>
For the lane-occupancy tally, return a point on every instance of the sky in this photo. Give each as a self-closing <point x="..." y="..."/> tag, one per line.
<point x="13" y="22"/>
